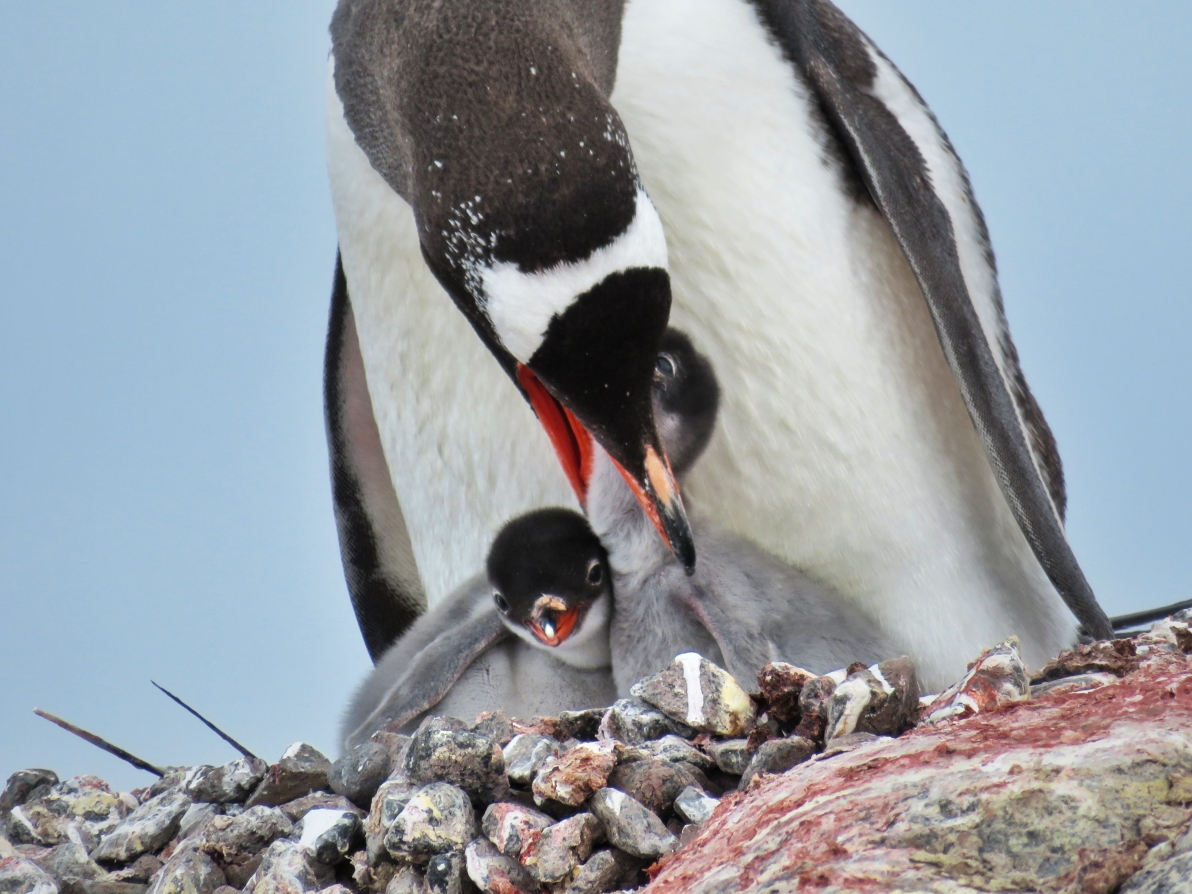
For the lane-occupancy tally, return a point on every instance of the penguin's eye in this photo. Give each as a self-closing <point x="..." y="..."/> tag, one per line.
<point x="664" y="366"/>
<point x="595" y="572"/>
<point x="502" y="605"/>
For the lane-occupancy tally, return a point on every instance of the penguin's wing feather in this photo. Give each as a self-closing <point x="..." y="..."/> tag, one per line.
<point x="379" y="565"/>
<point x="744" y="646"/>
<point x="432" y="673"/>
<point x="918" y="184"/>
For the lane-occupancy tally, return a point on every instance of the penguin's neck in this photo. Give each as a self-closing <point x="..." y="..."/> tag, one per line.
<point x="635" y="548"/>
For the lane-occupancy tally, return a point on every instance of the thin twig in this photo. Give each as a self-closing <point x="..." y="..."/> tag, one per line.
<point x="211" y="726"/>
<point x="101" y="743"/>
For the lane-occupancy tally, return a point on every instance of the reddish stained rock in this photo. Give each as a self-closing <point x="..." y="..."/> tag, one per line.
<point x="1118" y="657"/>
<point x="998" y="677"/>
<point x="780" y="685"/>
<point x="572" y="776"/>
<point x="1054" y="795"/>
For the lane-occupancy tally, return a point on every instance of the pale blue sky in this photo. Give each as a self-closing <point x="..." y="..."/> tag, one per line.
<point x="166" y="242"/>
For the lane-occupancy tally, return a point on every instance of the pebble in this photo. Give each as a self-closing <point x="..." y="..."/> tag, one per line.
<point x="781" y="684"/>
<point x="358" y="773"/>
<point x="496" y="725"/>
<point x="677" y="750"/>
<point x="406" y="880"/>
<point x="330" y="834"/>
<point x="140" y="870"/>
<point x="391" y="799"/>
<point x="437" y="819"/>
<point x="882" y="699"/>
<point x="730" y="755"/>
<point x="524" y="755"/>
<point x="582" y="725"/>
<point x="512" y="827"/>
<point x="694" y="806"/>
<point x="69" y="861"/>
<point x="694" y="691"/>
<point x="301" y="770"/>
<point x="813" y="707"/>
<point x="653" y="782"/>
<point x="493" y="871"/>
<point x="445" y="872"/>
<point x="237" y="842"/>
<point x="25" y="785"/>
<point x="776" y="756"/>
<point x="300" y="807"/>
<point x="632" y="721"/>
<point x="288" y="868"/>
<point x="148" y="828"/>
<point x="998" y="677"/>
<point x="571" y="777"/>
<point x="21" y="876"/>
<point x="555" y="854"/>
<point x="195" y="816"/>
<point x="188" y="871"/>
<point x="84" y="803"/>
<point x="440" y="751"/>
<point x="233" y="781"/>
<point x="606" y="870"/>
<point x="630" y="826"/>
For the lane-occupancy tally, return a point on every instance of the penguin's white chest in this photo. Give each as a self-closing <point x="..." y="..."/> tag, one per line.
<point x="842" y="444"/>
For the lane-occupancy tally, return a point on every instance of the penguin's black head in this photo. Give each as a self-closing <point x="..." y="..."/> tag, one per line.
<point x="547" y="569"/>
<point x="686" y="397"/>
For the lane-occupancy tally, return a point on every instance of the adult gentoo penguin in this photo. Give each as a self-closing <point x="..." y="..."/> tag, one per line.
<point x="821" y="242"/>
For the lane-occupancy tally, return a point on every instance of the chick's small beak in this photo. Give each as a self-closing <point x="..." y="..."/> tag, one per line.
<point x="658" y="494"/>
<point x="553" y="622"/>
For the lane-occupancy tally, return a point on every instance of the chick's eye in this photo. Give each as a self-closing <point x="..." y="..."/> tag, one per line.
<point x="664" y="366"/>
<point x="502" y="605"/>
<point x="595" y="572"/>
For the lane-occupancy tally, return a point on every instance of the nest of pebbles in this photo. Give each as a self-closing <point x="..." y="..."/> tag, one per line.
<point x="586" y="802"/>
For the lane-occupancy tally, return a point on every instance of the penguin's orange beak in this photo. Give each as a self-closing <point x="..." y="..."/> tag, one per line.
<point x="653" y="484"/>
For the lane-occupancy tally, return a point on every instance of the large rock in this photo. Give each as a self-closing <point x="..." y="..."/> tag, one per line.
<point x="301" y="770"/>
<point x="1060" y="794"/>
<point x="146" y="829"/>
<point x="694" y="691"/>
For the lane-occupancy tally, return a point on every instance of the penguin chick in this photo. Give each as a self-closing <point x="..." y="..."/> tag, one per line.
<point x="548" y="584"/>
<point x="742" y="606"/>
<point x="552" y="585"/>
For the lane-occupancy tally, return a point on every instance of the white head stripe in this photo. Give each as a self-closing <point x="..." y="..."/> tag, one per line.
<point x="521" y="305"/>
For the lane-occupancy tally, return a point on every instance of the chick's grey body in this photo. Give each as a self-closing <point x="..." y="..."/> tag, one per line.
<point x="458" y="660"/>
<point x="742" y="607"/>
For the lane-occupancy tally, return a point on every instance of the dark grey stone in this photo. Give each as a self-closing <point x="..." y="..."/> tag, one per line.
<point x="359" y="773"/>
<point x="676" y="750"/>
<point x="20" y="788"/>
<point x="511" y="827"/>
<point x="776" y="756"/>
<point x="653" y="782"/>
<point x="883" y="700"/>
<point x="301" y="770"/>
<point x="444" y="873"/>
<point x="21" y="876"/>
<point x="188" y="871"/>
<point x="632" y="721"/>
<point x="581" y="725"/>
<point x="496" y="725"/>
<point x="390" y="800"/>
<point x="439" y="752"/>
<point x="195" y="816"/>
<point x="524" y="755"/>
<point x="300" y="807"/>
<point x="730" y="755"/>
<point x="84" y="803"/>
<point x="238" y="842"/>
<point x="69" y="861"/>
<point x="233" y="781"/>
<point x="631" y="826"/>
<point x="554" y="855"/>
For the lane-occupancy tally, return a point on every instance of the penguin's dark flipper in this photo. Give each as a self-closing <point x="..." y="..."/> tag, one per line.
<point x="378" y="558"/>
<point x="895" y="146"/>
<point x="431" y="674"/>
<point x="744" y="647"/>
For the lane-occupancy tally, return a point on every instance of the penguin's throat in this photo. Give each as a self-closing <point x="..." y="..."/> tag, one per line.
<point x="629" y="535"/>
<point x="572" y="442"/>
